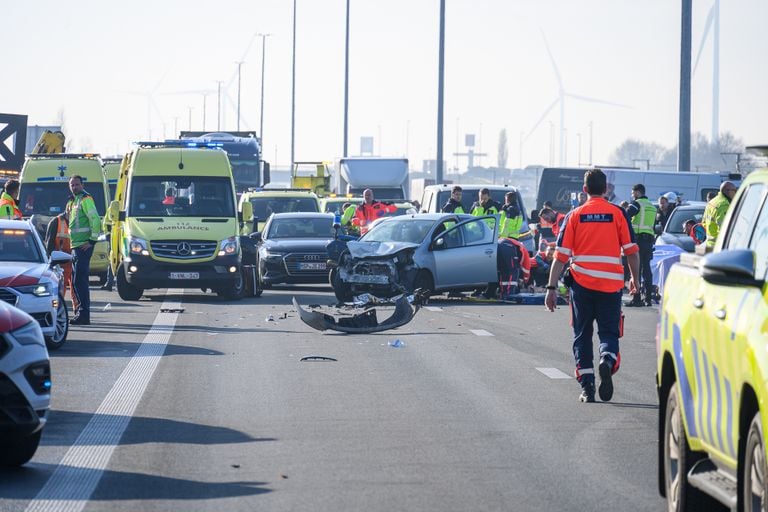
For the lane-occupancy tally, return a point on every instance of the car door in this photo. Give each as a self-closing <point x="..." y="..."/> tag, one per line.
<point x="730" y="328"/>
<point x="465" y="254"/>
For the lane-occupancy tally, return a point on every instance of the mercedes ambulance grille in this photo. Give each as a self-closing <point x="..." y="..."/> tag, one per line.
<point x="184" y="249"/>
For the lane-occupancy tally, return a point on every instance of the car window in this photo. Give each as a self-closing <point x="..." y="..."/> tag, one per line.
<point x="451" y="237"/>
<point x="740" y="233"/>
<point x="263" y="207"/>
<point x="298" y="227"/>
<point x="682" y="215"/>
<point x="759" y="243"/>
<point x="19" y="245"/>
<point x="477" y="232"/>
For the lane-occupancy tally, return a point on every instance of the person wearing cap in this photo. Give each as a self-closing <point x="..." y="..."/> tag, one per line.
<point x="667" y="204"/>
<point x="643" y="214"/>
<point x="715" y="211"/>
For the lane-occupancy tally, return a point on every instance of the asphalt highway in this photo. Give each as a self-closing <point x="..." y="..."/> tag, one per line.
<point x="183" y="401"/>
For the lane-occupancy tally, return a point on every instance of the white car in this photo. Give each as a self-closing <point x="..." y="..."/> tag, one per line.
<point x="25" y="385"/>
<point x="29" y="279"/>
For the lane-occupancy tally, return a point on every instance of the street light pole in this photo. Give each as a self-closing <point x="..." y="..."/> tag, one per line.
<point x="346" y="85"/>
<point x="239" y="65"/>
<point x="440" y="95"/>
<point x="261" y="111"/>
<point x="293" y="90"/>
<point x="218" y="108"/>
<point x="684" y="135"/>
<point x="190" y="119"/>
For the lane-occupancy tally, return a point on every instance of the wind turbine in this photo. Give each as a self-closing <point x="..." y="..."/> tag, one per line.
<point x="560" y="100"/>
<point x="713" y="20"/>
<point x="149" y="95"/>
<point x="203" y="92"/>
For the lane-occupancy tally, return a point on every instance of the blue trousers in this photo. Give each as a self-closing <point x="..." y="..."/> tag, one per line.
<point x="81" y="267"/>
<point x="588" y="306"/>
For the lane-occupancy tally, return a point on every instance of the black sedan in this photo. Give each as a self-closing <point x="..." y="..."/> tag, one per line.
<point x="292" y="248"/>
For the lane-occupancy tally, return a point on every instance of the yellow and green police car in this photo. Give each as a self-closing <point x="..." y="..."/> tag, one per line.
<point x="712" y="373"/>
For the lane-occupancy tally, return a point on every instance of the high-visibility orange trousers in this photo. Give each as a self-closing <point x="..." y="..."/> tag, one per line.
<point x="67" y="285"/>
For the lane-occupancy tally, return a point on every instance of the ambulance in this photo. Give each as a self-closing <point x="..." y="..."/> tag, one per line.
<point x="175" y="222"/>
<point x="44" y="193"/>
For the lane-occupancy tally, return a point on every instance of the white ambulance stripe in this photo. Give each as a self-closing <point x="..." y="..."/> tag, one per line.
<point x="433" y="308"/>
<point x="72" y="483"/>
<point x="480" y="332"/>
<point x="554" y="373"/>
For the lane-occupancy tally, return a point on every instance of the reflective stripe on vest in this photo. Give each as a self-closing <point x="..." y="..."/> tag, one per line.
<point x="644" y="220"/>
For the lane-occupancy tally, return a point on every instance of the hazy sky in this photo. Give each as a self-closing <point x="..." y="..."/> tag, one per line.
<point x="102" y="64"/>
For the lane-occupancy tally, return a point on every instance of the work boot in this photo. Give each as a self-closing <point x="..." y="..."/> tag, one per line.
<point x="106" y="287"/>
<point x="649" y="302"/>
<point x="636" y="302"/>
<point x="80" y="320"/>
<point x="606" y="378"/>
<point x="587" y="393"/>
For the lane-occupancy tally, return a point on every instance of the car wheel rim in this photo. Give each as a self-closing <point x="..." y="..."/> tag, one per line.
<point x="61" y="324"/>
<point x="673" y="456"/>
<point x="757" y="475"/>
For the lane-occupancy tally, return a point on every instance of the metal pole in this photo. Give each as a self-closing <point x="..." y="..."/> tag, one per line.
<point x="684" y="135"/>
<point x="590" y="143"/>
<point x="716" y="77"/>
<point x="218" y="108"/>
<point x="205" y="96"/>
<point x="293" y="89"/>
<point x="440" y="95"/>
<point x="261" y="112"/>
<point x="239" y="65"/>
<point x="190" y="119"/>
<point x="346" y="86"/>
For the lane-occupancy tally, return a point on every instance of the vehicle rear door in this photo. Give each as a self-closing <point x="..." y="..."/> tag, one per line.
<point x="465" y="254"/>
<point x="731" y="328"/>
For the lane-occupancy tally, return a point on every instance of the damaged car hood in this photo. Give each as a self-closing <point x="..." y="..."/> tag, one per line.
<point x="377" y="249"/>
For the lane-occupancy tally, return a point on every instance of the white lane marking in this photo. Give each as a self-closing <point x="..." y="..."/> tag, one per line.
<point x="72" y="483"/>
<point x="480" y="332"/>
<point x="554" y="373"/>
<point x="433" y="308"/>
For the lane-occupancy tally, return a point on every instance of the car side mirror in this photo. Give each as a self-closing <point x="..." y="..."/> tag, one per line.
<point x="60" y="258"/>
<point x="731" y="267"/>
<point x="439" y="244"/>
<point x="256" y="237"/>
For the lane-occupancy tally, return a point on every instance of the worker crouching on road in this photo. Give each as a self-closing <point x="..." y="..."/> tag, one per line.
<point x="592" y="238"/>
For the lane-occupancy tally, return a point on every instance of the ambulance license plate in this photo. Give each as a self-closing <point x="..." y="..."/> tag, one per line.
<point x="184" y="275"/>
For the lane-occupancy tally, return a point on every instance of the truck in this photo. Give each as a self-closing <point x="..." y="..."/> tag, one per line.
<point x="387" y="177"/>
<point x="243" y="150"/>
<point x="712" y="364"/>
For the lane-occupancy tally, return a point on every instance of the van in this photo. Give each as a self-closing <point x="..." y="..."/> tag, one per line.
<point x="175" y="222"/>
<point x="435" y="196"/>
<point x="561" y="185"/>
<point x="44" y="193"/>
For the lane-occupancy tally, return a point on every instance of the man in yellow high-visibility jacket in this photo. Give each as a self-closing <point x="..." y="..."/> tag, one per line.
<point x="84" y="229"/>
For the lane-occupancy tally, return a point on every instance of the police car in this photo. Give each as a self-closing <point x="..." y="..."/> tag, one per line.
<point x="712" y="378"/>
<point x="30" y="281"/>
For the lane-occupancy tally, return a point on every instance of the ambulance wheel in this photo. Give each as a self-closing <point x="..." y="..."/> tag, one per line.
<point x="234" y="292"/>
<point x="61" y="327"/>
<point x="126" y="290"/>
<point x="678" y="459"/>
<point x="754" y="470"/>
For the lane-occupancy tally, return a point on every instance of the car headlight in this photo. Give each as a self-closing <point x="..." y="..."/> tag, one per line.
<point x="138" y="246"/>
<point x="270" y="255"/>
<point x="38" y="290"/>
<point x="29" y="334"/>
<point x="229" y="246"/>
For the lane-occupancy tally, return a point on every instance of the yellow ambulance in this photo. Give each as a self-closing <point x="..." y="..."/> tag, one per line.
<point x="175" y="222"/>
<point x="44" y="193"/>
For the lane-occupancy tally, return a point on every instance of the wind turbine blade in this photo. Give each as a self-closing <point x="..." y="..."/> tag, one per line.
<point x="596" y="100"/>
<point x="182" y="93"/>
<point x="162" y="79"/>
<point x="552" y="60"/>
<point x="541" y="119"/>
<point x="707" y="26"/>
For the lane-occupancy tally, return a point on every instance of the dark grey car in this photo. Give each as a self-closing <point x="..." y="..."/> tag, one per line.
<point x="673" y="232"/>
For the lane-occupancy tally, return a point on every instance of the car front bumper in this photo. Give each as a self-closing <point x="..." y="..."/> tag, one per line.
<point x="145" y="272"/>
<point x="42" y="309"/>
<point x="24" y="402"/>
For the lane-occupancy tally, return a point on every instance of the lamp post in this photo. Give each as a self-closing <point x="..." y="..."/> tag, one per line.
<point x="261" y="110"/>
<point x="440" y="95"/>
<point x="684" y="134"/>
<point x="218" y="108"/>
<point x="293" y="89"/>
<point x="346" y="85"/>
<point x="239" y="65"/>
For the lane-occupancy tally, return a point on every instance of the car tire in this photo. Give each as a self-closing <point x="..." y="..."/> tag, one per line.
<point x="424" y="281"/>
<point x="61" y="327"/>
<point x="18" y="450"/>
<point x="234" y="292"/>
<point x="754" y="470"/>
<point x="342" y="290"/>
<point x="126" y="290"/>
<point x="678" y="459"/>
<point x="262" y="284"/>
